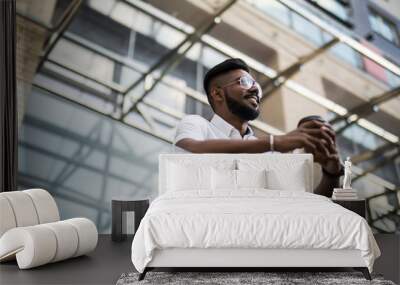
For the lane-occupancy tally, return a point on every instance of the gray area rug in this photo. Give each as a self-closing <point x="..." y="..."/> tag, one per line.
<point x="225" y="278"/>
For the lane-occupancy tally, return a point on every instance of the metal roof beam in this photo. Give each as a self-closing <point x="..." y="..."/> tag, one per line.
<point x="382" y="163"/>
<point x="57" y="34"/>
<point x="364" y="109"/>
<point x="371" y="154"/>
<point x="276" y="82"/>
<point x="174" y="56"/>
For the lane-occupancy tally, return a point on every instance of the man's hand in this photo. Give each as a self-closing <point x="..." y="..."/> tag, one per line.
<point x="313" y="136"/>
<point x="331" y="162"/>
<point x="317" y="138"/>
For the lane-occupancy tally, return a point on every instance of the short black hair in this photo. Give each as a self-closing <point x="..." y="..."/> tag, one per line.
<point x="223" y="67"/>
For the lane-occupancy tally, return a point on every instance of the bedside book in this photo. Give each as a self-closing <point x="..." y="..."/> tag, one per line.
<point x="344" y="194"/>
<point x="345" y="198"/>
<point x="344" y="191"/>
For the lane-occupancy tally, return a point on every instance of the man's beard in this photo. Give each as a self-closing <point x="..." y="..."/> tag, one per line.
<point x="242" y="111"/>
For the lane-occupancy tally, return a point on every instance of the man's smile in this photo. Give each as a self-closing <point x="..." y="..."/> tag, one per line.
<point x="253" y="98"/>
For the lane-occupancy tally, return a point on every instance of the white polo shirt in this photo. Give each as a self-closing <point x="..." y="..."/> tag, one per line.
<point x="197" y="128"/>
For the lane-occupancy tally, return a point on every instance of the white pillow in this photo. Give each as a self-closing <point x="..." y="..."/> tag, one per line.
<point x="183" y="177"/>
<point x="293" y="180"/>
<point x="283" y="172"/>
<point x="225" y="179"/>
<point x="251" y="178"/>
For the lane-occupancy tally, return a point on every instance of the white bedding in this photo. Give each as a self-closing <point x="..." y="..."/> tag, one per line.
<point x="252" y="218"/>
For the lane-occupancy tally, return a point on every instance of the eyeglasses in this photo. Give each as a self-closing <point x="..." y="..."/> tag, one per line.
<point x="246" y="82"/>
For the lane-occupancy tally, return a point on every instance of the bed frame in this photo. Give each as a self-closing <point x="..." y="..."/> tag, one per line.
<point x="245" y="259"/>
<point x="242" y="259"/>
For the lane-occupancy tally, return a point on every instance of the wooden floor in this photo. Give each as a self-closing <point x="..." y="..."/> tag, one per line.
<point x="111" y="259"/>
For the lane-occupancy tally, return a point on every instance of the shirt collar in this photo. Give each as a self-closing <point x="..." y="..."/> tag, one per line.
<point x="227" y="129"/>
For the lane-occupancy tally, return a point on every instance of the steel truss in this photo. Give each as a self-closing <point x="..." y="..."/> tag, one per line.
<point x="173" y="57"/>
<point x="365" y="109"/>
<point x="279" y="80"/>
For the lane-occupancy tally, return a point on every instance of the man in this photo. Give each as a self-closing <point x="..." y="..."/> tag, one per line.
<point x="234" y="97"/>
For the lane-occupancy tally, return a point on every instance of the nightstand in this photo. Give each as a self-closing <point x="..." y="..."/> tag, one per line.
<point x="139" y="207"/>
<point x="357" y="206"/>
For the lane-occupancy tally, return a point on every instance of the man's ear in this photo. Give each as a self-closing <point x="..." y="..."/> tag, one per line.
<point x="217" y="94"/>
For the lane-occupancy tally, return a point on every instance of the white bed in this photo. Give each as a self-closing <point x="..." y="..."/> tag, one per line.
<point x="214" y="211"/>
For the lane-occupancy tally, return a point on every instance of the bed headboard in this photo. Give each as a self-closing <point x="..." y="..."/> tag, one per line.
<point x="280" y="162"/>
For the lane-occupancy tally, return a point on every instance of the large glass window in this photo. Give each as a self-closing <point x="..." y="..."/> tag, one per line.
<point x="307" y="29"/>
<point x="355" y="140"/>
<point x="347" y="54"/>
<point x="392" y="79"/>
<point x="383" y="27"/>
<point x="338" y="8"/>
<point x="85" y="160"/>
<point x="92" y="26"/>
<point x="344" y="52"/>
<point x="274" y="9"/>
